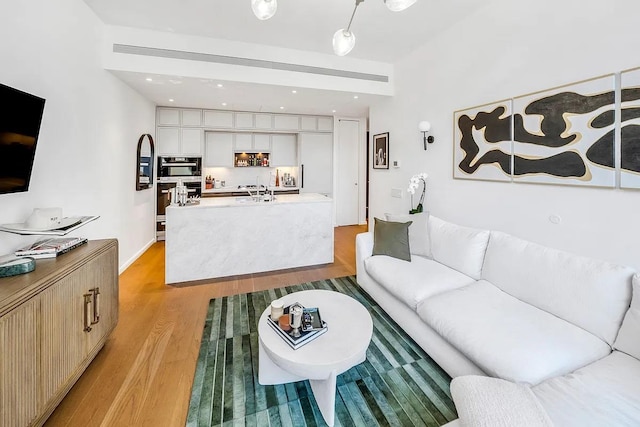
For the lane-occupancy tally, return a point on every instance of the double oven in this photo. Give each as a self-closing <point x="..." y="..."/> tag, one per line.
<point x="170" y="171"/>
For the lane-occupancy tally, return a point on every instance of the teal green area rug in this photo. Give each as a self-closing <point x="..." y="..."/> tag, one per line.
<point x="398" y="384"/>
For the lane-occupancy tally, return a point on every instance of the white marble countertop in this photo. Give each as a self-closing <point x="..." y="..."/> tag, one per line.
<point x="235" y="189"/>
<point x="220" y="202"/>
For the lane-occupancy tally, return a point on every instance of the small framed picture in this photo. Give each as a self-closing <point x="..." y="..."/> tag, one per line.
<point x="381" y="151"/>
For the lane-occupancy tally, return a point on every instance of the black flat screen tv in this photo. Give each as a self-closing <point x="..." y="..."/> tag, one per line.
<point x="20" y="118"/>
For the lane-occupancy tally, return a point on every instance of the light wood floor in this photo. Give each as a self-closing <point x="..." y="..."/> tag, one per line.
<point x="143" y="375"/>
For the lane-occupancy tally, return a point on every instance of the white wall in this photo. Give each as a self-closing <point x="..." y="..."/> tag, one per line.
<point x="508" y="49"/>
<point x="85" y="157"/>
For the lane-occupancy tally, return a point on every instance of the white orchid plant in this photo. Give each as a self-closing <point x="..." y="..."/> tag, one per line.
<point x="414" y="184"/>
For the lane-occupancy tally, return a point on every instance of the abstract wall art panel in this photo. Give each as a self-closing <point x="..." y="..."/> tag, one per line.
<point x="566" y="135"/>
<point x="630" y="129"/>
<point x="482" y="142"/>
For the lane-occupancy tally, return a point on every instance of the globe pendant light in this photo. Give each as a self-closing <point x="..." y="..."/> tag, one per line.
<point x="264" y="9"/>
<point x="398" y="5"/>
<point x="343" y="42"/>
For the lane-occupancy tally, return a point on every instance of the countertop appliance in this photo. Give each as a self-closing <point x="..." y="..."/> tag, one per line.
<point x="172" y="170"/>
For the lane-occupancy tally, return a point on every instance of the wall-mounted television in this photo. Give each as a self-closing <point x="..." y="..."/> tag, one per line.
<point x="20" y="118"/>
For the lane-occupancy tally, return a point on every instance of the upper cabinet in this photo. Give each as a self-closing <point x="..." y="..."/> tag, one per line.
<point x="168" y="117"/>
<point x="286" y="122"/>
<point x="284" y="149"/>
<point x="264" y="121"/>
<point x="244" y="121"/>
<point x="218" y="119"/>
<point x="179" y="141"/>
<point x="219" y="149"/>
<point x="191" y="118"/>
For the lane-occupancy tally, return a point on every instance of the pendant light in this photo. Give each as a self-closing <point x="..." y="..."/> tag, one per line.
<point x="345" y="40"/>
<point x="398" y="5"/>
<point x="264" y="9"/>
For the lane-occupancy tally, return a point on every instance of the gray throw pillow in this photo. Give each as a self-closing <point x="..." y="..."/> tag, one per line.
<point x="391" y="239"/>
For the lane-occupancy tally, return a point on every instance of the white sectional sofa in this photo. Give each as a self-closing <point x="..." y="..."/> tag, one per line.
<point x="483" y="302"/>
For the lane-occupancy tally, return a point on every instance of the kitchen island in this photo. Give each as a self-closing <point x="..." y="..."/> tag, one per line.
<point x="230" y="236"/>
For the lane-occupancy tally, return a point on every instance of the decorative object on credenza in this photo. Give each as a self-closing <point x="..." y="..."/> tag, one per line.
<point x="343" y="40"/>
<point x="482" y="142"/>
<point x="566" y="135"/>
<point x="381" y="151"/>
<point x="425" y="127"/>
<point x="16" y="266"/>
<point x="630" y="129"/>
<point x="414" y="184"/>
<point x="48" y="222"/>
<point x="144" y="162"/>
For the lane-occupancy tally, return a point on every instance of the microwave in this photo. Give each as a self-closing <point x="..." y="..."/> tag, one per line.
<point x="174" y="168"/>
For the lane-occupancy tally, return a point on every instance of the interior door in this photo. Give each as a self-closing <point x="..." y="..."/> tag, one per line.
<point x="316" y="163"/>
<point x="347" y="194"/>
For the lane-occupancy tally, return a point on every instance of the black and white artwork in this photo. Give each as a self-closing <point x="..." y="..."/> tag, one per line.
<point x="566" y="135"/>
<point x="381" y="151"/>
<point x="483" y="144"/>
<point x="630" y="129"/>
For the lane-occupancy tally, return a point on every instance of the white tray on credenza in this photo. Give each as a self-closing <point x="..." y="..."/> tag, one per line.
<point x="67" y="225"/>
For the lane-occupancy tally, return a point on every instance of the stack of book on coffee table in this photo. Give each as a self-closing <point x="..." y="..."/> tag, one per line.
<point x="312" y="327"/>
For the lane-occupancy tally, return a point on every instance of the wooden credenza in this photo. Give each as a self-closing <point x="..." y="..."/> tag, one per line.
<point x="53" y="322"/>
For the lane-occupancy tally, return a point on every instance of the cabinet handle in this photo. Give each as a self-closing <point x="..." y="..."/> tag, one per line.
<point x="96" y="305"/>
<point x="302" y="176"/>
<point x="87" y="312"/>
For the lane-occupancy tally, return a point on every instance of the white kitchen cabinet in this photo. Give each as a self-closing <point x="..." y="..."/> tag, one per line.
<point x="261" y="142"/>
<point x="325" y="124"/>
<point x="250" y="142"/>
<point x="218" y="149"/>
<point x="218" y="119"/>
<point x="316" y="163"/>
<point x="168" y="117"/>
<point x="243" y="142"/>
<point x="168" y="140"/>
<point x="285" y="122"/>
<point x="179" y="141"/>
<point x="264" y="121"/>
<point x="284" y="150"/>
<point x="308" y="123"/>
<point x="191" y="118"/>
<point x="244" y="121"/>
<point x="191" y="141"/>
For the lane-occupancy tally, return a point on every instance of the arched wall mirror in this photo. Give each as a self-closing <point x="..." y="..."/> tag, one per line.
<point x="144" y="163"/>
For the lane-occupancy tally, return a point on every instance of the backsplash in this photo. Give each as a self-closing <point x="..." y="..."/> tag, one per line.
<point x="234" y="177"/>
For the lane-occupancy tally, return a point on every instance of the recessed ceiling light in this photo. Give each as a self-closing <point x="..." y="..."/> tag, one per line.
<point x="175" y="81"/>
<point x="219" y="85"/>
<point x="294" y="91"/>
<point x="282" y="108"/>
<point x="224" y="104"/>
<point x="170" y="99"/>
<point x="355" y="96"/>
<point x="149" y="79"/>
<point x="333" y="111"/>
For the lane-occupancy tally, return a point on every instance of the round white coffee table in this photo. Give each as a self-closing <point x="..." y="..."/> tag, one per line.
<point x="320" y="361"/>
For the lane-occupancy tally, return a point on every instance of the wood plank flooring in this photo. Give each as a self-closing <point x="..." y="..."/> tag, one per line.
<point x="143" y="375"/>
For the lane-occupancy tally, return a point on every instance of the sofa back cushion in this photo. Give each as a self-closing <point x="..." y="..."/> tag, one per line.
<point x="589" y="293"/>
<point x="458" y="247"/>
<point x="628" y="340"/>
<point x="418" y="232"/>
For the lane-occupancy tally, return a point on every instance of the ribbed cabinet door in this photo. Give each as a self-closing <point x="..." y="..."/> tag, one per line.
<point x="104" y="276"/>
<point x="64" y="341"/>
<point x="19" y="402"/>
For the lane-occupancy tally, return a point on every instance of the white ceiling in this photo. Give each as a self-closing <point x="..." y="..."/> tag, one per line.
<point x="381" y="35"/>
<point x="203" y="93"/>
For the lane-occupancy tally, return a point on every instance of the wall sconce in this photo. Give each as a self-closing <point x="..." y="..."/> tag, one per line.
<point x="425" y="127"/>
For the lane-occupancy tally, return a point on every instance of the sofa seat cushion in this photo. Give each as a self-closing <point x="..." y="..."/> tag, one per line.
<point x="589" y="293"/>
<point x="508" y="338"/>
<point x="411" y="282"/>
<point x="605" y="393"/>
